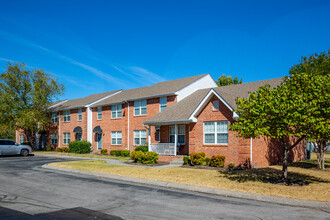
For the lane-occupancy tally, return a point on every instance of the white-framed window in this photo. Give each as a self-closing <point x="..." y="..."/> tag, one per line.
<point x="140" y="137"/>
<point x="79" y="114"/>
<point x="99" y="113"/>
<point x="116" y="138"/>
<point x="181" y="134"/>
<point x="116" y="111"/>
<point x="66" y="138"/>
<point x="215" y="105"/>
<point x="54" y="117"/>
<point x="140" y="107"/>
<point x="216" y="132"/>
<point x="66" y="116"/>
<point x="162" y="103"/>
<point x="21" y="138"/>
<point x="54" y="138"/>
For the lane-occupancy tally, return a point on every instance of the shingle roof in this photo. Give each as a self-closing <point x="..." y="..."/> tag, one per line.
<point x="181" y="111"/>
<point x="75" y="103"/>
<point x="158" y="89"/>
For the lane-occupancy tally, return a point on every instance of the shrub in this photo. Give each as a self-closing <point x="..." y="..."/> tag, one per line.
<point x="197" y="159"/>
<point x="231" y="166"/>
<point x="125" y="153"/>
<point x="79" y="147"/>
<point x="145" y="158"/>
<point x="113" y="152"/>
<point x="217" y="161"/>
<point x="49" y="148"/>
<point x="59" y="149"/>
<point x="137" y="156"/>
<point x="104" y="151"/>
<point x="186" y="160"/>
<point x="143" y="148"/>
<point x="65" y="149"/>
<point x="118" y="153"/>
<point x="207" y="161"/>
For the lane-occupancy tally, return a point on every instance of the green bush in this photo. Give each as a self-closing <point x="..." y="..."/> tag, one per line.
<point x="104" y="151"/>
<point x="49" y="148"/>
<point x="59" y="149"/>
<point x="197" y="159"/>
<point x="217" y="161"/>
<point x="207" y="161"/>
<point x="65" y="149"/>
<point x="80" y="147"/>
<point x="125" y="153"/>
<point x="186" y="160"/>
<point x="144" y="157"/>
<point x="113" y="152"/>
<point x="231" y="166"/>
<point x="143" y="148"/>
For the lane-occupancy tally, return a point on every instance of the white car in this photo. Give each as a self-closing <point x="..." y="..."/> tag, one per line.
<point x="9" y="147"/>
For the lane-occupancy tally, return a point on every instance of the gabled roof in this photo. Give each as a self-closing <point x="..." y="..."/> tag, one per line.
<point x="156" y="90"/>
<point x="183" y="111"/>
<point x="81" y="102"/>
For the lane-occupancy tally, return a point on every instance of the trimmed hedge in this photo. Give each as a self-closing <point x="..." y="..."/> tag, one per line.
<point x="143" y="148"/>
<point x="104" y="151"/>
<point x="123" y="153"/>
<point x="217" y="161"/>
<point x="144" y="157"/>
<point x="197" y="159"/>
<point x="65" y="149"/>
<point x="80" y="147"/>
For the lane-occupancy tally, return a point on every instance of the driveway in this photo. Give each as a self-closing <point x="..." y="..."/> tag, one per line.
<point x="29" y="191"/>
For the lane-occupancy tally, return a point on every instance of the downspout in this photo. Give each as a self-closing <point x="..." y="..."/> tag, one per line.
<point x="251" y="152"/>
<point x="127" y="124"/>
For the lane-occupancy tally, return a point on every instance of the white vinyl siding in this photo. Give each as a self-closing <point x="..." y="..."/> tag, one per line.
<point x="116" y="138"/>
<point x="162" y="103"/>
<point x="54" y="138"/>
<point x="54" y="117"/>
<point x="140" y="107"/>
<point x="140" y="137"/>
<point x="21" y="138"/>
<point x="99" y="113"/>
<point x="216" y="132"/>
<point x="79" y="114"/>
<point x="181" y="134"/>
<point x="66" y="116"/>
<point x="116" y="111"/>
<point x="66" y="138"/>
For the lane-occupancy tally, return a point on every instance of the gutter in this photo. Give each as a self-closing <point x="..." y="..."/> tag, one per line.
<point x="168" y="122"/>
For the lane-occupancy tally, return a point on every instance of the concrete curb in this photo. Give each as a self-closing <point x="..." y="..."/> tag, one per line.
<point x="213" y="191"/>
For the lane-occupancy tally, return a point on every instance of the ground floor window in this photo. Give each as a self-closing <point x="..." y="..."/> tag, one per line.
<point x="140" y="137"/>
<point x="216" y="132"/>
<point x="54" y="138"/>
<point x="66" y="138"/>
<point x="21" y="138"/>
<point x="181" y="134"/>
<point x="116" y="137"/>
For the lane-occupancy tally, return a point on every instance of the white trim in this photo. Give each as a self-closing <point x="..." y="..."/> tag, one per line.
<point x="79" y="114"/>
<point x="168" y="122"/>
<point x="175" y="138"/>
<point x="116" y="137"/>
<point x="160" y="104"/>
<point x="140" y="107"/>
<point x="128" y="126"/>
<point x="61" y="102"/>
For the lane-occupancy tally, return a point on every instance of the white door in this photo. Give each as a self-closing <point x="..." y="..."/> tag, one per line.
<point x="99" y="141"/>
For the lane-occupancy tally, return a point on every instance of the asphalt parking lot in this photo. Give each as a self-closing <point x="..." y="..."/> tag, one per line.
<point x="28" y="191"/>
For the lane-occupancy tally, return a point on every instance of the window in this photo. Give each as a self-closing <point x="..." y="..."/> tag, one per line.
<point x="181" y="134"/>
<point x="99" y="113"/>
<point x="215" y="104"/>
<point x="54" y="117"/>
<point x="140" y="137"/>
<point x="10" y="142"/>
<point x="54" y="138"/>
<point x="79" y="114"/>
<point x="116" y="137"/>
<point x="162" y="103"/>
<point x="140" y="107"/>
<point x="66" y="138"/>
<point x="66" y="116"/>
<point x="116" y="111"/>
<point x="216" y="132"/>
<point x="21" y="138"/>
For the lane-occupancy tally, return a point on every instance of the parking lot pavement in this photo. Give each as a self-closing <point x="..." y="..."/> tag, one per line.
<point x="28" y="190"/>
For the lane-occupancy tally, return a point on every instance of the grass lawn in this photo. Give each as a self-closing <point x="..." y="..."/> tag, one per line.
<point x="308" y="183"/>
<point x="83" y="155"/>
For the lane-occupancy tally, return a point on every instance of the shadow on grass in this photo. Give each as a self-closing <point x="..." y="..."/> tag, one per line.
<point x="270" y="175"/>
<point x="310" y="164"/>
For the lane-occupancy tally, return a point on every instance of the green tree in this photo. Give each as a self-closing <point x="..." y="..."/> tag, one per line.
<point x="228" y="80"/>
<point x="7" y="132"/>
<point x="25" y="96"/>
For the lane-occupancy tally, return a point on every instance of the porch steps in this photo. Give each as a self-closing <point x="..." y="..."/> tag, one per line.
<point x="177" y="161"/>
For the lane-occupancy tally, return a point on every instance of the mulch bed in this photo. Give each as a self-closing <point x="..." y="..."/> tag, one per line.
<point x="204" y="167"/>
<point x="159" y="163"/>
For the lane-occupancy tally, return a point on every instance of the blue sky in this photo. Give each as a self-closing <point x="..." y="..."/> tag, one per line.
<point x="97" y="46"/>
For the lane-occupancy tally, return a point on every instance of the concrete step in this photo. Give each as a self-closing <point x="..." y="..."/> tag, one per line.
<point x="177" y="161"/>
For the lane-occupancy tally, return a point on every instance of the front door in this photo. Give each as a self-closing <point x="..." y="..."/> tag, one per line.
<point x="79" y="137"/>
<point x="99" y="141"/>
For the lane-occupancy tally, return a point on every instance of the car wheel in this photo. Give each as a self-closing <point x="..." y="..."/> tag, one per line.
<point x="24" y="152"/>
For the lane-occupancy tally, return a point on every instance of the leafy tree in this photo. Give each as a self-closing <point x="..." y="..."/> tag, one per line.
<point x="7" y="132"/>
<point x="228" y="80"/>
<point x="25" y="96"/>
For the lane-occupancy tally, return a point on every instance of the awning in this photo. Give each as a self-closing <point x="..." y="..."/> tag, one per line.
<point x="98" y="130"/>
<point x="77" y="130"/>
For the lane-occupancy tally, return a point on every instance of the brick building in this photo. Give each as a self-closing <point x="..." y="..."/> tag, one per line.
<point x="174" y="117"/>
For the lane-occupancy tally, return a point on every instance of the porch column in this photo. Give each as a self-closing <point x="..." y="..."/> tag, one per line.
<point x="149" y="138"/>
<point x="175" y="138"/>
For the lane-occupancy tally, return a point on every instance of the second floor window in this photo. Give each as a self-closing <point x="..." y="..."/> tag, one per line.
<point x="66" y="138"/>
<point x="54" y="138"/>
<point x="116" y="111"/>
<point x="140" y="107"/>
<point x="66" y="116"/>
<point x="99" y="113"/>
<point x="162" y="103"/>
<point x="79" y="114"/>
<point x="54" y="117"/>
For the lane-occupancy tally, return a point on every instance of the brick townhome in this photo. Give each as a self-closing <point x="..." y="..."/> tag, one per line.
<point x="175" y="117"/>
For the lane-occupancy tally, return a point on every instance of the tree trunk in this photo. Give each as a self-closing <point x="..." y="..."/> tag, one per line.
<point x="320" y="150"/>
<point x="285" y="163"/>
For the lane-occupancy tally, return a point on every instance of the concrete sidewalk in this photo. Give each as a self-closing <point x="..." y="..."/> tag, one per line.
<point x="213" y="191"/>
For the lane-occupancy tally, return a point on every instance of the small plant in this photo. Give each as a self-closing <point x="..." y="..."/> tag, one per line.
<point x="125" y="153"/>
<point x="59" y="149"/>
<point x="207" y="161"/>
<point x="80" y="147"/>
<point x="143" y="148"/>
<point x="231" y="166"/>
<point x="217" y="161"/>
<point x="186" y="160"/>
<point x="104" y="151"/>
<point x="197" y="159"/>
<point x="65" y="149"/>
<point x="145" y="158"/>
<point x="49" y="148"/>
